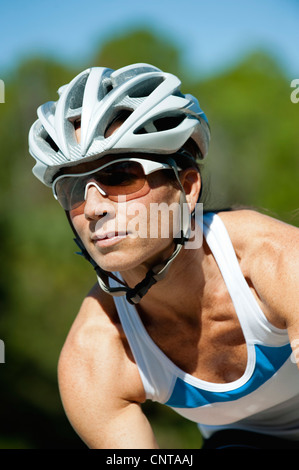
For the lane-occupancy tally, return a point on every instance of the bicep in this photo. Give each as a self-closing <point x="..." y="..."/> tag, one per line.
<point x="287" y="292"/>
<point x="104" y="420"/>
<point x="275" y="276"/>
<point x="283" y="285"/>
<point x="125" y="427"/>
<point x="102" y="392"/>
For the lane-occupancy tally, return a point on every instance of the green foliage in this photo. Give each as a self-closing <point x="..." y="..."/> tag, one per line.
<point x="253" y="160"/>
<point x="140" y="46"/>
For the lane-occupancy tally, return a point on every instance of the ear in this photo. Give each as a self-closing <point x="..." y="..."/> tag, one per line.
<point x="191" y="182"/>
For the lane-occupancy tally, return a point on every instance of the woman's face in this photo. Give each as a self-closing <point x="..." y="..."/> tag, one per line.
<point x="122" y="235"/>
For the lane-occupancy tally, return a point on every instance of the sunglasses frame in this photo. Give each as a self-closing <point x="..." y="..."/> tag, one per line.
<point x="149" y="166"/>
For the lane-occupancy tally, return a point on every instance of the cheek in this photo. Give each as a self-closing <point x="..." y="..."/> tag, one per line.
<point x="155" y="215"/>
<point x="79" y="222"/>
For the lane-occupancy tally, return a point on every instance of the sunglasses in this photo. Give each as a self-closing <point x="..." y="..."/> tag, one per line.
<point x="123" y="177"/>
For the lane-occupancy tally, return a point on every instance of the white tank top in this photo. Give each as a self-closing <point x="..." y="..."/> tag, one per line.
<point x="266" y="397"/>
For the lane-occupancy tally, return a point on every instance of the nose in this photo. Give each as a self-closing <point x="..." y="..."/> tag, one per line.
<point x="93" y="183"/>
<point x="96" y="204"/>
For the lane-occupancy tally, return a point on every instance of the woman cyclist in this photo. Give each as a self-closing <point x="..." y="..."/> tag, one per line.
<point x="205" y="328"/>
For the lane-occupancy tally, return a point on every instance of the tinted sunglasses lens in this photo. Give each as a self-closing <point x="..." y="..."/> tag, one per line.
<point x="121" y="179"/>
<point x="70" y="192"/>
<point x="117" y="179"/>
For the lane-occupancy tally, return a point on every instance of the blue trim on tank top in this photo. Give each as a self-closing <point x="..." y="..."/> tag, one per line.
<point x="268" y="360"/>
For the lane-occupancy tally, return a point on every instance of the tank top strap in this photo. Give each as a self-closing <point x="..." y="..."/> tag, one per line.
<point x="256" y="328"/>
<point x="154" y="367"/>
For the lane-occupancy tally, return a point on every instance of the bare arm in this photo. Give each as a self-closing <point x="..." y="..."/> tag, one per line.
<point x="275" y="274"/>
<point x="288" y="301"/>
<point x="268" y="252"/>
<point x="100" y="386"/>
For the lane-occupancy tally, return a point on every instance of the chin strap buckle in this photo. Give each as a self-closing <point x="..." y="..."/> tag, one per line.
<point x="134" y="295"/>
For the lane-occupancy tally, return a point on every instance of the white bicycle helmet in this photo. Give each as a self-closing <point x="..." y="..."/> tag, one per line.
<point x="159" y="119"/>
<point x="96" y="97"/>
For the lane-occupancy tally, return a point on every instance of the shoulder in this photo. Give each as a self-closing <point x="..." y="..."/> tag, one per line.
<point x="259" y="237"/>
<point x="99" y="383"/>
<point x="96" y="364"/>
<point x="268" y="251"/>
<point x="95" y="324"/>
<point x="255" y="221"/>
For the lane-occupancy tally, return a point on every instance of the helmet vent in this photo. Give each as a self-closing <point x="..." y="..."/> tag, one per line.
<point x="51" y="142"/>
<point x="120" y="116"/>
<point x="145" y="88"/>
<point x="162" y="124"/>
<point x="108" y="88"/>
<point x="76" y="99"/>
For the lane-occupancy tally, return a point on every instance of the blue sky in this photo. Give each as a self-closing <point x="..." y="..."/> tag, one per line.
<point x="211" y="34"/>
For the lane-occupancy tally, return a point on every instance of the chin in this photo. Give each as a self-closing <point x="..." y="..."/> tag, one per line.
<point x="118" y="262"/>
<point x="121" y="258"/>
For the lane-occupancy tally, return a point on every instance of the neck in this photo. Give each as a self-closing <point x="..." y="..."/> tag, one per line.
<point x="171" y="296"/>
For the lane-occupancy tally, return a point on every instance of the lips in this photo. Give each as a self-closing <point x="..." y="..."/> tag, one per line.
<point x="107" y="235"/>
<point x="107" y="239"/>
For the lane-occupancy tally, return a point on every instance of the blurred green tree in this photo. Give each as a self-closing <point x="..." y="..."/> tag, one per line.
<point x="253" y="157"/>
<point x="140" y="46"/>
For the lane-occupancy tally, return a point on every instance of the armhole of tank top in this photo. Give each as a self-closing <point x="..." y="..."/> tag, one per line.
<point x="157" y="376"/>
<point x="256" y="327"/>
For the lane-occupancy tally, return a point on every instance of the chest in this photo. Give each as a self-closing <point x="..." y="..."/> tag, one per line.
<point x="209" y="345"/>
